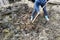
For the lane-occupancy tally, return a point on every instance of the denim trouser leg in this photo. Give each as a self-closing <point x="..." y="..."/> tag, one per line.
<point x="36" y="8"/>
<point x="45" y="11"/>
<point x="33" y="13"/>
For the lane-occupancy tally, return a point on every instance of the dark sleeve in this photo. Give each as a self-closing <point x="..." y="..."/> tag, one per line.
<point x="47" y="0"/>
<point x="32" y="1"/>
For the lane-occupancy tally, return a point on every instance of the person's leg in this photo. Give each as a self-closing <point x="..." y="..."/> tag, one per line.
<point x="45" y="13"/>
<point x="33" y="14"/>
<point x="36" y="9"/>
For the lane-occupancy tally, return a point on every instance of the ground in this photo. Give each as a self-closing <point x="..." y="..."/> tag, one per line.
<point x="16" y="25"/>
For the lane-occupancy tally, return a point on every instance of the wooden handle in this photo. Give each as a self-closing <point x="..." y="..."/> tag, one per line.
<point x="35" y="18"/>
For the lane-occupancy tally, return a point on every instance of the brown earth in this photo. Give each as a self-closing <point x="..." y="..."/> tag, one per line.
<point x="16" y="25"/>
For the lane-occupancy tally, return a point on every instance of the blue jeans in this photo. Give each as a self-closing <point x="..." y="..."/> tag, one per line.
<point x="36" y="8"/>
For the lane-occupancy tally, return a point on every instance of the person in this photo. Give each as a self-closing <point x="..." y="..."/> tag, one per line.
<point x="38" y="3"/>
